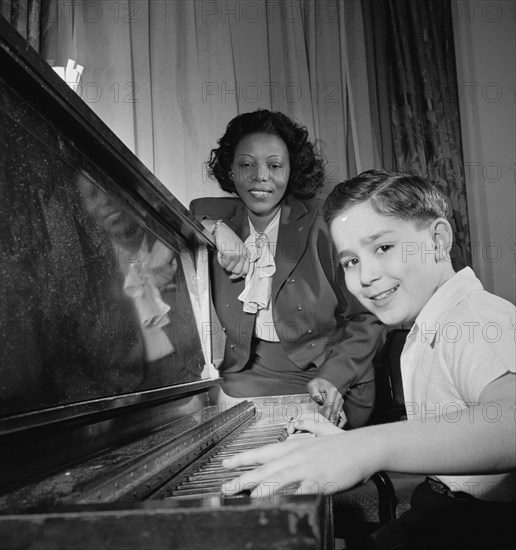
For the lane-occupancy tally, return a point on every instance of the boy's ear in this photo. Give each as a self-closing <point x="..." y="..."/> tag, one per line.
<point x="442" y="235"/>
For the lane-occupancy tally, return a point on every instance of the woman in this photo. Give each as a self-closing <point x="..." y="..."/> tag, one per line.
<point x="290" y="324"/>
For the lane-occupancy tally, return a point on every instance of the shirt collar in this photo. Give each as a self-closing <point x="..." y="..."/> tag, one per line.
<point x="271" y="230"/>
<point x="445" y="298"/>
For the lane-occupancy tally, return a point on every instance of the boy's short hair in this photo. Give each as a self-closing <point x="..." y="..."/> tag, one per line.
<point x="397" y="194"/>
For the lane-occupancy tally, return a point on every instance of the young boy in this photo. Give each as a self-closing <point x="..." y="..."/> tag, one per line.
<point x="458" y="368"/>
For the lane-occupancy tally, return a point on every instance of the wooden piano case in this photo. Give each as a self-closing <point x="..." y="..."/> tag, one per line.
<point x="109" y="396"/>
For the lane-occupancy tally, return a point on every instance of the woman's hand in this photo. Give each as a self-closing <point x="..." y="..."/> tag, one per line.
<point x="318" y="426"/>
<point x="328" y="397"/>
<point x="232" y="255"/>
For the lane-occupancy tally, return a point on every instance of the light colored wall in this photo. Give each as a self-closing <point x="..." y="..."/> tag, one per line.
<point x="485" y="37"/>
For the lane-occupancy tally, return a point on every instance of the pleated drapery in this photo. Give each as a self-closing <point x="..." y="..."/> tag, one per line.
<point x="168" y="75"/>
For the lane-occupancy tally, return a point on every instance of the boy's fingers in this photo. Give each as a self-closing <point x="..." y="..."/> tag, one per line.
<point x="287" y="480"/>
<point x="247" y="481"/>
<point x="236" y="486"/>
<point x="257" y="456"/>
<point x="263" y="482"/>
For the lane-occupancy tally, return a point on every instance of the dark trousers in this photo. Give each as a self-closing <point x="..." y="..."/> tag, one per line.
<point x="442" y="520"/>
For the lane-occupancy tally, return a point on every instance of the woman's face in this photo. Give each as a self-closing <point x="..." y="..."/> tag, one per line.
<point x="261" y="171"/>
<point x="107" y="212"/>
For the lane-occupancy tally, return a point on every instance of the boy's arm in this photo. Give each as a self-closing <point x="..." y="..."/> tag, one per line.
<point x="472" y="444"/>
<point x="483" y="440"/>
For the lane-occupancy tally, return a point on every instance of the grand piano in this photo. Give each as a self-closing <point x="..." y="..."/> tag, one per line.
<point x="112" y="421"/>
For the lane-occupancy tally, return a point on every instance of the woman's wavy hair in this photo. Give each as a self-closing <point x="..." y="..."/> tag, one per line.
<point x="306" y="164"/>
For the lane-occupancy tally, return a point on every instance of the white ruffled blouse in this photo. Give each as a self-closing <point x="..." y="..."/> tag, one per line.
<point x="256" y="296"/>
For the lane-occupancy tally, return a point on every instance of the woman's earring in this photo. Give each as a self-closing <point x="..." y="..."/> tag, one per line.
<point x="230" y="174"/>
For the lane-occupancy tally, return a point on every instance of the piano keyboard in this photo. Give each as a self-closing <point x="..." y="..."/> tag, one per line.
<point x="166" y="487"/>
<point x="208" y="475"/>
<point x="188" y="465"/>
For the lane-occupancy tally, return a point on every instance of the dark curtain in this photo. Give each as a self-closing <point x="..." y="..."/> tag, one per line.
<point x="411" y="44"/>
<point x="375" y="40"/>
<point x="36" y="21"/>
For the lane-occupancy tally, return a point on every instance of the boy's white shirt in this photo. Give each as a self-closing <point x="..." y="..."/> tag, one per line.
<point x="462" y="340"/>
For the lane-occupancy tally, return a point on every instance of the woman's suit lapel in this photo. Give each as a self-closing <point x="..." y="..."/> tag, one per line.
<point x="239" y="223"/>
<point x="295" y="223"/>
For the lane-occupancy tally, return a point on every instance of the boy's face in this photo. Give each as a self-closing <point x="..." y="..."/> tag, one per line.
<point x="388" y="263"/>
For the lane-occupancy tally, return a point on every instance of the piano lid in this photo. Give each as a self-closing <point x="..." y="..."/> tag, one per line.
<point x="104" y="278"/>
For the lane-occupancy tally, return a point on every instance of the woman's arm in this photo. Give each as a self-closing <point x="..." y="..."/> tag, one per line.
<point x="232" y="255"/>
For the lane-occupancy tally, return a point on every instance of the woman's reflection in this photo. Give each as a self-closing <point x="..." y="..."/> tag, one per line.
<point x="92" y="305"/>
<point x="153" y="280"/>
<point x="147" y="269"/>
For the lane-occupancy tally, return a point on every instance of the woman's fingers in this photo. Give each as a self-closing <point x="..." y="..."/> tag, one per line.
<point x="242" y="267"/>
<point x="328" y="397"/>
<point x="342" y="419"/>
<point x="319" y="428"/>
<point x="237" y="266"/>
<point x="333" y="407"/>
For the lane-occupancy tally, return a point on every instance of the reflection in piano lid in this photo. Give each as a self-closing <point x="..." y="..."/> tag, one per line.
<point x="112" y="422"/>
